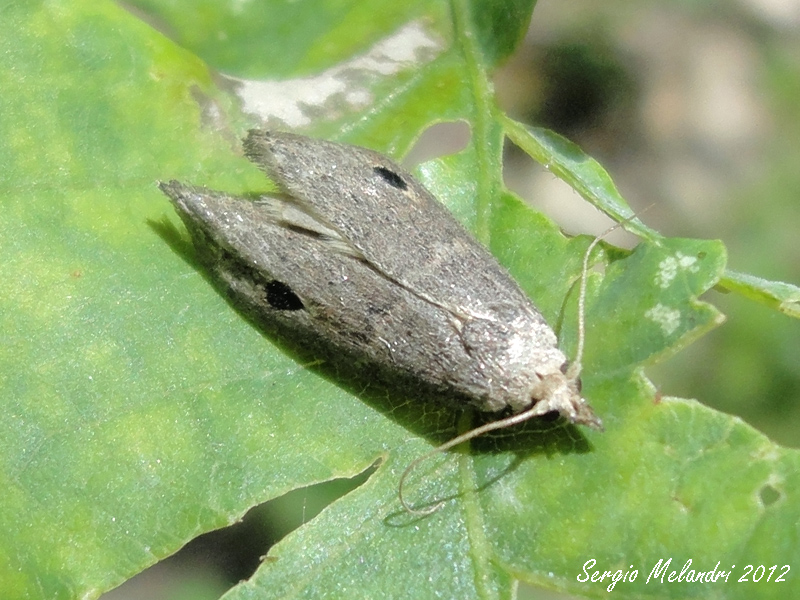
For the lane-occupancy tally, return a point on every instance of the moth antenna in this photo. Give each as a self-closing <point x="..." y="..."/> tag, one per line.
<point x="459" y="439"/>
<point x="574" y="369"/>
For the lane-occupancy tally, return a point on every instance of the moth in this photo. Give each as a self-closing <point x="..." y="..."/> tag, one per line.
<point x="357" y="255"/>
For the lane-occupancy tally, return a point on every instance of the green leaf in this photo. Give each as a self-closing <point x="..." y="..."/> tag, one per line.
<point x="140" y="410"/>
<point x="584" y="174"/>
<point x="776" y="294"/>
<point x="499" y="27"/>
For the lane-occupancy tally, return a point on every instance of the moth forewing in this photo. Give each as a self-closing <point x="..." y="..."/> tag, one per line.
<point x="379" y="269"/>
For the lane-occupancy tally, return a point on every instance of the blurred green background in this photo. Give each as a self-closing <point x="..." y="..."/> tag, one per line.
<point x="694" y="108"/>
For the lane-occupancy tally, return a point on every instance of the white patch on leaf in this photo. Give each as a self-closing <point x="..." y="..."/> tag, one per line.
<point x="667" y="318"/>
<point x="345" y="87"/>
<point x="669" y="268"/>
<point x="688" y="263"/>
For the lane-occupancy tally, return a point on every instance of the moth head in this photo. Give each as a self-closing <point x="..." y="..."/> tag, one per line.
<point x="554" y="391"/>
<point x="561" y="392"/>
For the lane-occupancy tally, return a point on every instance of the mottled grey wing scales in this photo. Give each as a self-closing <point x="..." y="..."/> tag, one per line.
<point x="451" y="269"/>
<point x="358" y="256"/>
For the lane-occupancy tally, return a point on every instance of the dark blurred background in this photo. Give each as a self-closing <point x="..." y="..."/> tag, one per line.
<point x="692" y="106"/>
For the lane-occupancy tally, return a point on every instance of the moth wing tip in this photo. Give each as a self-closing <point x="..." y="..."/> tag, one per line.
<point x="173" y="189"/>
<point x="167" y="185"/>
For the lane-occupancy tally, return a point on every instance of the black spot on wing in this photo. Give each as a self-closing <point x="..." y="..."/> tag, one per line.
<point x="281" y="297"/>
<point x="391" y="178"/>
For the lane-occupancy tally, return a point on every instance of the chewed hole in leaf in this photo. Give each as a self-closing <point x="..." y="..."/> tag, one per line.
<point x="769" y="495"/>
<point x="221" y="559"/>
<point x="440" y="139"/>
